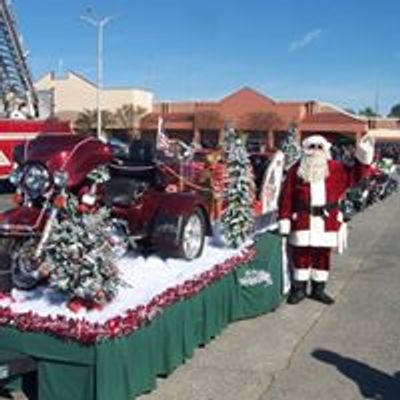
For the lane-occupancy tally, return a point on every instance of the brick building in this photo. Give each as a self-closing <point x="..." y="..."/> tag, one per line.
<point x="264" y="120"/>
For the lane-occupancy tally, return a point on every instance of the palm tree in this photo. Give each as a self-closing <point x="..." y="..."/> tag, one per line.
<point x="128" y="116"/>
<point x="368" y="112"/>
<point x="86" y="122"/>
<point x="395" y="111"/>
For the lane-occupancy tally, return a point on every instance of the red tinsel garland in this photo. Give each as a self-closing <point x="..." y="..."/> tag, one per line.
<point x="88" y="333"/>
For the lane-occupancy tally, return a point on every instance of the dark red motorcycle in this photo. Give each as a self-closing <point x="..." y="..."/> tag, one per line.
<point x="144" y="209"/>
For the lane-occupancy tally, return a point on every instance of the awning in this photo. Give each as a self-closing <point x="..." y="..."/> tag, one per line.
<point x="385" y="134"/>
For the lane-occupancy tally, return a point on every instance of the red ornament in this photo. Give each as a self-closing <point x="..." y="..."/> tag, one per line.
<point x="75" y="305"/>
<point x="82" y="208"/>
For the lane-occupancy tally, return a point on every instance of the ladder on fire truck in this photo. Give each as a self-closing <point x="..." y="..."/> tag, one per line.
<point x="17" y="93"/>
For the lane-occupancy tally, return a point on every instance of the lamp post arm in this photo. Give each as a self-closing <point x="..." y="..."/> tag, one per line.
<point x="99" y="24"/>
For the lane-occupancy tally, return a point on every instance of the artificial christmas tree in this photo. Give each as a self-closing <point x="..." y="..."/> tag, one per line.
<point x="78" y="256"/>
<point x="290" y="147"/>
<point x="237" y="220"/>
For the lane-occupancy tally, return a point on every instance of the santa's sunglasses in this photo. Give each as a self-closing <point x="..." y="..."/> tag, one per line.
<point x="315" y="146"/>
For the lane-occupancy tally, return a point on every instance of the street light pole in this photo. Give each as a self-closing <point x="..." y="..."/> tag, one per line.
<point x="99" y="24"/>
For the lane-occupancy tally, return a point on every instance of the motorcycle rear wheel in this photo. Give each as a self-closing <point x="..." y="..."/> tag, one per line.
<point x="192" y="236"/>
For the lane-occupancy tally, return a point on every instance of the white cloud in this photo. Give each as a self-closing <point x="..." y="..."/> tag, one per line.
<point x="305" y="40"/>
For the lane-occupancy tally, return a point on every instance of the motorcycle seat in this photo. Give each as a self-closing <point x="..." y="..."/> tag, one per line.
<point x="141" y="152"/>
<point x="123" y="191"/>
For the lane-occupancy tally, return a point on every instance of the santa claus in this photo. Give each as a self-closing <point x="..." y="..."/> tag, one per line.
<point x="309" y="211"/>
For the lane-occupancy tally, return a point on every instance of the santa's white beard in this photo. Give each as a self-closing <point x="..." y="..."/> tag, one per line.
<point x="313" y="167"/>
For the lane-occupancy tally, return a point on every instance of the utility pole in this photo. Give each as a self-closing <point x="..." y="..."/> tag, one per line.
<point x="376" y="105"/>
<point x="98" y="23"/>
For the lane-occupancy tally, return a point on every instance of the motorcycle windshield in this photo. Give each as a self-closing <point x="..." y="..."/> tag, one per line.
<point x="77" y="155"/>
<point x="47" y="147"/>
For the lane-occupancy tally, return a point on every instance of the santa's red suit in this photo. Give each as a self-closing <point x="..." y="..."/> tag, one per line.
<point x="309" y="213"/>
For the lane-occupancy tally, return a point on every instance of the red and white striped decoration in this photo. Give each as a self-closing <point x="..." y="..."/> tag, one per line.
<point x="163" y="142"/>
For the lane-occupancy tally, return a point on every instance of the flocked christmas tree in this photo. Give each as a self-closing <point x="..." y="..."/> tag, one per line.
<point x="78" y="256"/>
<point x="237" y="220"/>
<point x="290" y="147"/>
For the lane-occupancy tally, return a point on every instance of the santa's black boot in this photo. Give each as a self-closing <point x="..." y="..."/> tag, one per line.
<point x="297" y="292"/>
<point x="318" y="293"/>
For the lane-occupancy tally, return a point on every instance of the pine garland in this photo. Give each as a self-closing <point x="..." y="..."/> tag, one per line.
<point x="237" y="220"/>
<point x="99" y="175"/>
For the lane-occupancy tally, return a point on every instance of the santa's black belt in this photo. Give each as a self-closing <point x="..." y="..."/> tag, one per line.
<point x="317" y="211"/>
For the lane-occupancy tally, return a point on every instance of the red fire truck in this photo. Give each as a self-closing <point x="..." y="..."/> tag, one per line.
<point x="14" y="132"/>
<point x="22" y="117"/>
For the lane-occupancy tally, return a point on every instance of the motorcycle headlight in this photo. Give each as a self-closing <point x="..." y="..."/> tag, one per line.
<point x="60" y="179"/>
<point x="36" y="180"/>
<point x="15" y="177"/>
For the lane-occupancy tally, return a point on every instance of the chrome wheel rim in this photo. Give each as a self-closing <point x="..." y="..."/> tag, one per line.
<point x="193" y="237"/>
<point x="25" y="268"/>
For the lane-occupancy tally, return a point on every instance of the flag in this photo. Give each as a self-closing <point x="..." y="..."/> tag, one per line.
<point x="163" y="142"/>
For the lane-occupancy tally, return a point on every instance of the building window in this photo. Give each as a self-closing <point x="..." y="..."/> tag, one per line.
<point x="256" y="141"/>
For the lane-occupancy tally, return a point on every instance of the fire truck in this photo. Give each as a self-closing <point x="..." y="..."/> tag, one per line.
<point x="21" y="118"/>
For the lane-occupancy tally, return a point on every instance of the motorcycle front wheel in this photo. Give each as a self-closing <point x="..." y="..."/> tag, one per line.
<point x="18" y="266"/>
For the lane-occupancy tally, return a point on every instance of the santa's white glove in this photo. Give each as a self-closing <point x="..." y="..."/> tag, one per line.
<point x="365" y="149"/>
<point x="284" y="227"/>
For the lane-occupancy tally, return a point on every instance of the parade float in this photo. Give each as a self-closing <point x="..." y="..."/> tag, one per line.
<point x="114" y="269"/>
<point x="140" y="254"/>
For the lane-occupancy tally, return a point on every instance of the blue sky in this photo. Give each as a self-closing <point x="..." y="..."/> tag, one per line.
<point x="345" y="52"/>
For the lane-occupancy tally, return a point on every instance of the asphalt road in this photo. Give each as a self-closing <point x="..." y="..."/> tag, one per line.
<point x="313" y="352"/>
